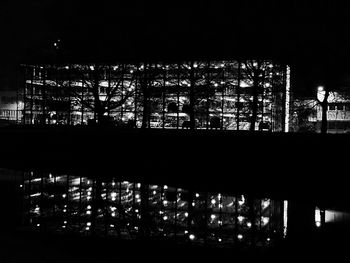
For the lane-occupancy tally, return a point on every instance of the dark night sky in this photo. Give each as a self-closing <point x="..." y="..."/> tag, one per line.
<point x="311" y="35"/>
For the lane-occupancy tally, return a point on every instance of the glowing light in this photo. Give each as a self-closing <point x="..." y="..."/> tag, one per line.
<point x="88" y="212"/>
<point x="268" y="239"/>
<point x="240" y="236"/>
<point x="165" y="187"/>
<point x="63" y="226"/>
<point x="285" y="218"/>
<point x="113" y="214"/>
<point x="192" y="237"/>
<point x="88" y="207"/>
<point x="20" y="185"/>
<point x="219" y="239"/>
<point x="318" y="217"/>
<point x="64" y="196"/>
<point x="165" y="202"/>
<point x="186" y="232"/>
<point x="165" y="218"/>
<point x="197" y="195"/>
<point x="240" y="218"/>
<point x="138" y="185"/>
<point x="64" y="222"/>
<point x="220" y="205"/>
<point x="87" y="228"/>
<point x="265" y="220"/>
<point x="193" y="203"/>
<point x="112" y="226"/>
<point x="212" y="217"/>
<point x="154" y="192"/>
<point x="137" y="196"/>
<point x="220" y="222"/>
<point x="249" y="224"/>
<point x="287" y="103"/>
<point x="242" y="201"/>
<point x="88" y="223"/>
<point x="37" y="224"/>
<point x="195" y="65"/>
<point x="213" y="201"/>
<point x="131" y="71"/>
<point x="216" y="85"/>
<point x="266" y="203"/>
<point x="64" y="210"/>
<point x="92" y="67"/>
<point x="186" y="214"/>
<point x="113" y="183"/>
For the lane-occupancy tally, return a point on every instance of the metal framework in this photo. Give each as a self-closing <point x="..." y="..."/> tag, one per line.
<point x="230" y="95"/>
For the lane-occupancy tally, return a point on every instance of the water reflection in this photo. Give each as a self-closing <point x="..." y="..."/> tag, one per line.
<point x="131" y="210"/>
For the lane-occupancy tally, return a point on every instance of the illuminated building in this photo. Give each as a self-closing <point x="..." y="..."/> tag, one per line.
<point x="228" y="95"/>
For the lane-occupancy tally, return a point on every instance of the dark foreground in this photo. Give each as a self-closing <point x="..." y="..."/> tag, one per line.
<point x="302" y="167"/>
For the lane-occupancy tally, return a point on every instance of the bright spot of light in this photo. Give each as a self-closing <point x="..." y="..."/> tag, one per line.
<point x="240" y="218"/>
<point x="165" y="187"/>
<point x="192" y="237"/>
<point x="165" y="218"/>
<point x="212" y="217"/>
<point x="318" y="224"/>
<point x="186" y="214"/>
<point x="240" y="236"/>
<point x="197" y="195"/>
<point x="20" y="185"/>
<point x="213" y="201"/>
<point x="249" y="224"/>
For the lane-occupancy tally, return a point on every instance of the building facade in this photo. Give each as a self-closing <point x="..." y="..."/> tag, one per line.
<point x="232" y="95"/>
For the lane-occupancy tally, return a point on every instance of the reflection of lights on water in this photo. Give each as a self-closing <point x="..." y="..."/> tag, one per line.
<point x="192" y="237"/>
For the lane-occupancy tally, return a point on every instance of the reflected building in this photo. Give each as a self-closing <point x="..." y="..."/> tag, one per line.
<point x="232" y="95"/>
<point x="132" y="210"/>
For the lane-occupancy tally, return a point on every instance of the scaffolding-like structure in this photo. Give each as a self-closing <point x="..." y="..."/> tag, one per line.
<point x="230" y="95"/>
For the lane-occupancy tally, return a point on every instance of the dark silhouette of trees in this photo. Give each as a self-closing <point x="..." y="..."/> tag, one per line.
<point x="100" y="88"/>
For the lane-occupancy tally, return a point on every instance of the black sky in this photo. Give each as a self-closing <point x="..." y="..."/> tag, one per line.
<point x="313" y="35"/>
